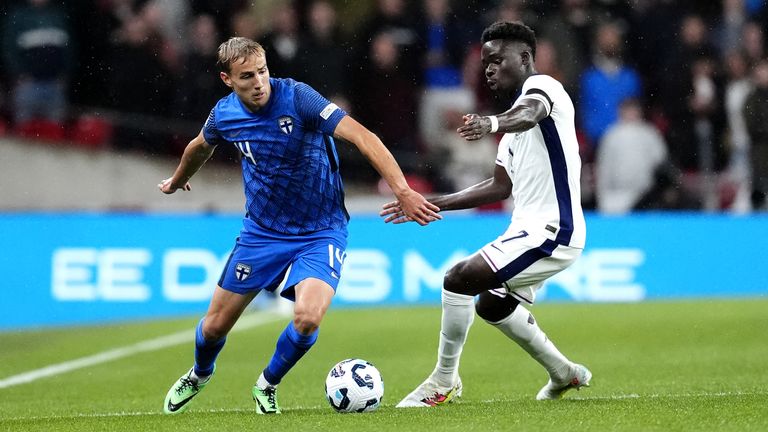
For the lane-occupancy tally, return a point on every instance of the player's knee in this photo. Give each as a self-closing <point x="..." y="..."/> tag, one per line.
<point x="454" y="280"/>
<point x="306" y="321"/>
<point x="493" y="308"/>
<point x="214" y="329"/>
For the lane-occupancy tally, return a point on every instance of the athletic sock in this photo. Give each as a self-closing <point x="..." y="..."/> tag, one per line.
<point x="458" y="314"/>
<point x="262" y="382"/>
<point x="521" y="327"/>
<point x="206" y="352"/>
<point x="291" y="346"/>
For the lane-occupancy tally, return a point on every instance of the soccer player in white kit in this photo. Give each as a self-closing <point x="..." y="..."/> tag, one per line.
<point x="538" y="164"/>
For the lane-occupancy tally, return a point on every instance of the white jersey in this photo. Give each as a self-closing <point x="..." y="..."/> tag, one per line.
<point x="544" y="166"/>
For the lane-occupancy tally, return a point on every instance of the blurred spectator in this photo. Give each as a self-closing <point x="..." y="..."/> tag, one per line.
<point x="245" y="23"/>
<point x="669" y="191"/>
<point x="281" y="43"/>
<point x="385" y="99"/>
<point x="322" y="55"/>
<point x="649" y="44"/>
<point x="38" y="53"/>
<point x="606" y="83"/>
<point x="756" y="115"/>
<point x="570" y="30"/>
<point x="143" y="93"/>
<point x="395" y="18"/>
<point x="728" y="32"/>
<point x="442" y="79"/>
<point x="547" y="61"/>
<point x="737" y="89"/>
<point x="628" y="157"/>
<point x="705" y="103"/>
<point x="462" y="163"/>
<point x="222" y="10"/>
<point x="753" y="42"/>
<point x="676" y="89"/>
<point x="199" y="84"/>
<point x="168" y="16"/>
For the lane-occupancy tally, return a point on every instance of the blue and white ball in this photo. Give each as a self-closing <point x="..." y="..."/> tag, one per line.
<point x="354" y="385"/>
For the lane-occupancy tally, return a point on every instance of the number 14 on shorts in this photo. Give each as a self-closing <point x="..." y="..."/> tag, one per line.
<point x="335" y="255"/>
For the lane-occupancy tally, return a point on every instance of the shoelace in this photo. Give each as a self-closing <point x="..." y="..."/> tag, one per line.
<point x="185" y="383"/>
<point x="270" y="392"/>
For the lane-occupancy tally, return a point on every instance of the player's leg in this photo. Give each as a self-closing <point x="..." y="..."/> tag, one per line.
<point x="210" y="335"/>
<point x="522" y="263"/>
<point x="311" y="282"/>
<point x="505" y="312"/>
<point x="313" y="297"/>
<point x="224" y="311"/>
<point x="461" y="284"/>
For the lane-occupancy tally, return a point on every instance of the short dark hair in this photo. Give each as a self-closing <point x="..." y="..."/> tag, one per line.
<point x="511" y="31"/>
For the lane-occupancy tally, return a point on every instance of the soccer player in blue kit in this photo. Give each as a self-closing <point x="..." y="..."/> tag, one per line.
<point x="295" y="227"/>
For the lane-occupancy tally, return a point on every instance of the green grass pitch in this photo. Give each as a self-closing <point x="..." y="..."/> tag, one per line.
<point x="671" y="366"/>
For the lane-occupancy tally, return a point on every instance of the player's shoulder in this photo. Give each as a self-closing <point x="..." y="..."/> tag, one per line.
<point x="223" y="108"/>
<point x="281" y="85"/>
<point x="226" y="103"/>
<point x="542" y="81"/>
<point x="290" y="89"/>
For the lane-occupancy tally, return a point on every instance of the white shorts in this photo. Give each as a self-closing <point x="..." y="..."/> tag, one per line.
<point x="523" y="261"/>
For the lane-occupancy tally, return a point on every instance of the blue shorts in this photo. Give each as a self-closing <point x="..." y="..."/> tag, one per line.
<point x="262" y="258"/>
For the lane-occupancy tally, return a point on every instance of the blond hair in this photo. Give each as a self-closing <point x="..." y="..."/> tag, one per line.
<point x="237" y="48"/>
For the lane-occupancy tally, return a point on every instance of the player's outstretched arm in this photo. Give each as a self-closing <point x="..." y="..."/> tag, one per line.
<point x="523" y="116"/>
<point x="197" y="152"/>
<point x="488" y="191"/>
<point x="413" y="204"/>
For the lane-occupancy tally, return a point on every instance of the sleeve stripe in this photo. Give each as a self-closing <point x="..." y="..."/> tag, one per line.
<point x="542" y="96"/>
<point x="541" y="92"/>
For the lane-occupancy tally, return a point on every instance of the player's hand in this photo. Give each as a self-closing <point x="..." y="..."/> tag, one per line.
<point x="166" y="186"/>
<point x="412" y="206"/>
<point x="475" y="127"/>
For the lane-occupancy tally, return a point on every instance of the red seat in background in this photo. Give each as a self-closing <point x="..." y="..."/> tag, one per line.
<point x="45" y="130"/>
<point x="90" y="131"/>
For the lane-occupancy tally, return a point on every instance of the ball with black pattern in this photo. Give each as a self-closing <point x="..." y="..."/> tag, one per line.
<point x="354" y="385"/>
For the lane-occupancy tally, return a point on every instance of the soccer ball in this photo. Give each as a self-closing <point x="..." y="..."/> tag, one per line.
<point x="354" y="385"/>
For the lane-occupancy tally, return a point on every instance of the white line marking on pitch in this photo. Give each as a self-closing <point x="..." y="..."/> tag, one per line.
<point x="187" y="336"/>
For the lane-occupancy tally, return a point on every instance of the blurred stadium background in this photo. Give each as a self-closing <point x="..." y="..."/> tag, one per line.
<point x="99" y="97"/>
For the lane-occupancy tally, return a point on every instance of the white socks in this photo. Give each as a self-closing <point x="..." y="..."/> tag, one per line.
<point x="523" y="329"/>
<point x="200" y="379"/>
<point x="262" y="382"/>
<point x="458" y="314"/>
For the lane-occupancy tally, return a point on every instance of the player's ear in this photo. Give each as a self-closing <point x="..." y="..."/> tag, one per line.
<point x="225" y="77"/>
<point x="525" y="58"/>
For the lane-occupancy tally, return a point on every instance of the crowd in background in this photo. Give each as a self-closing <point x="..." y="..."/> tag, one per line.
<point x="671" y="96"/>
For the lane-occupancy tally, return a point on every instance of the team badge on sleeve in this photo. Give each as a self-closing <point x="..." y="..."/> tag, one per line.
<point x="328" y="110"/>
<point x="242" y="271"/>
<point x="286" y="124"/>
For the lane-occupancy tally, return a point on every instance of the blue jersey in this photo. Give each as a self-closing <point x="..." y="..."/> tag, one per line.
<point x="290" y="165"/>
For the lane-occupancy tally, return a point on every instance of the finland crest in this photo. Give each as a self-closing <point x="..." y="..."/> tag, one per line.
<point x="286" y="124"/>
<point x="242" y="271"/>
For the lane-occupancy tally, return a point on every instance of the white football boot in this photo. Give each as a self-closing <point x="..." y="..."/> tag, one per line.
<point x="580" y="377"/>
<point x="429" y="394"/>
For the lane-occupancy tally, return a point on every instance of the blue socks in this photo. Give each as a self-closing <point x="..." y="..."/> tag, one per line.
<point x="291" y="346"/>
<point x="206" y="351"/>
